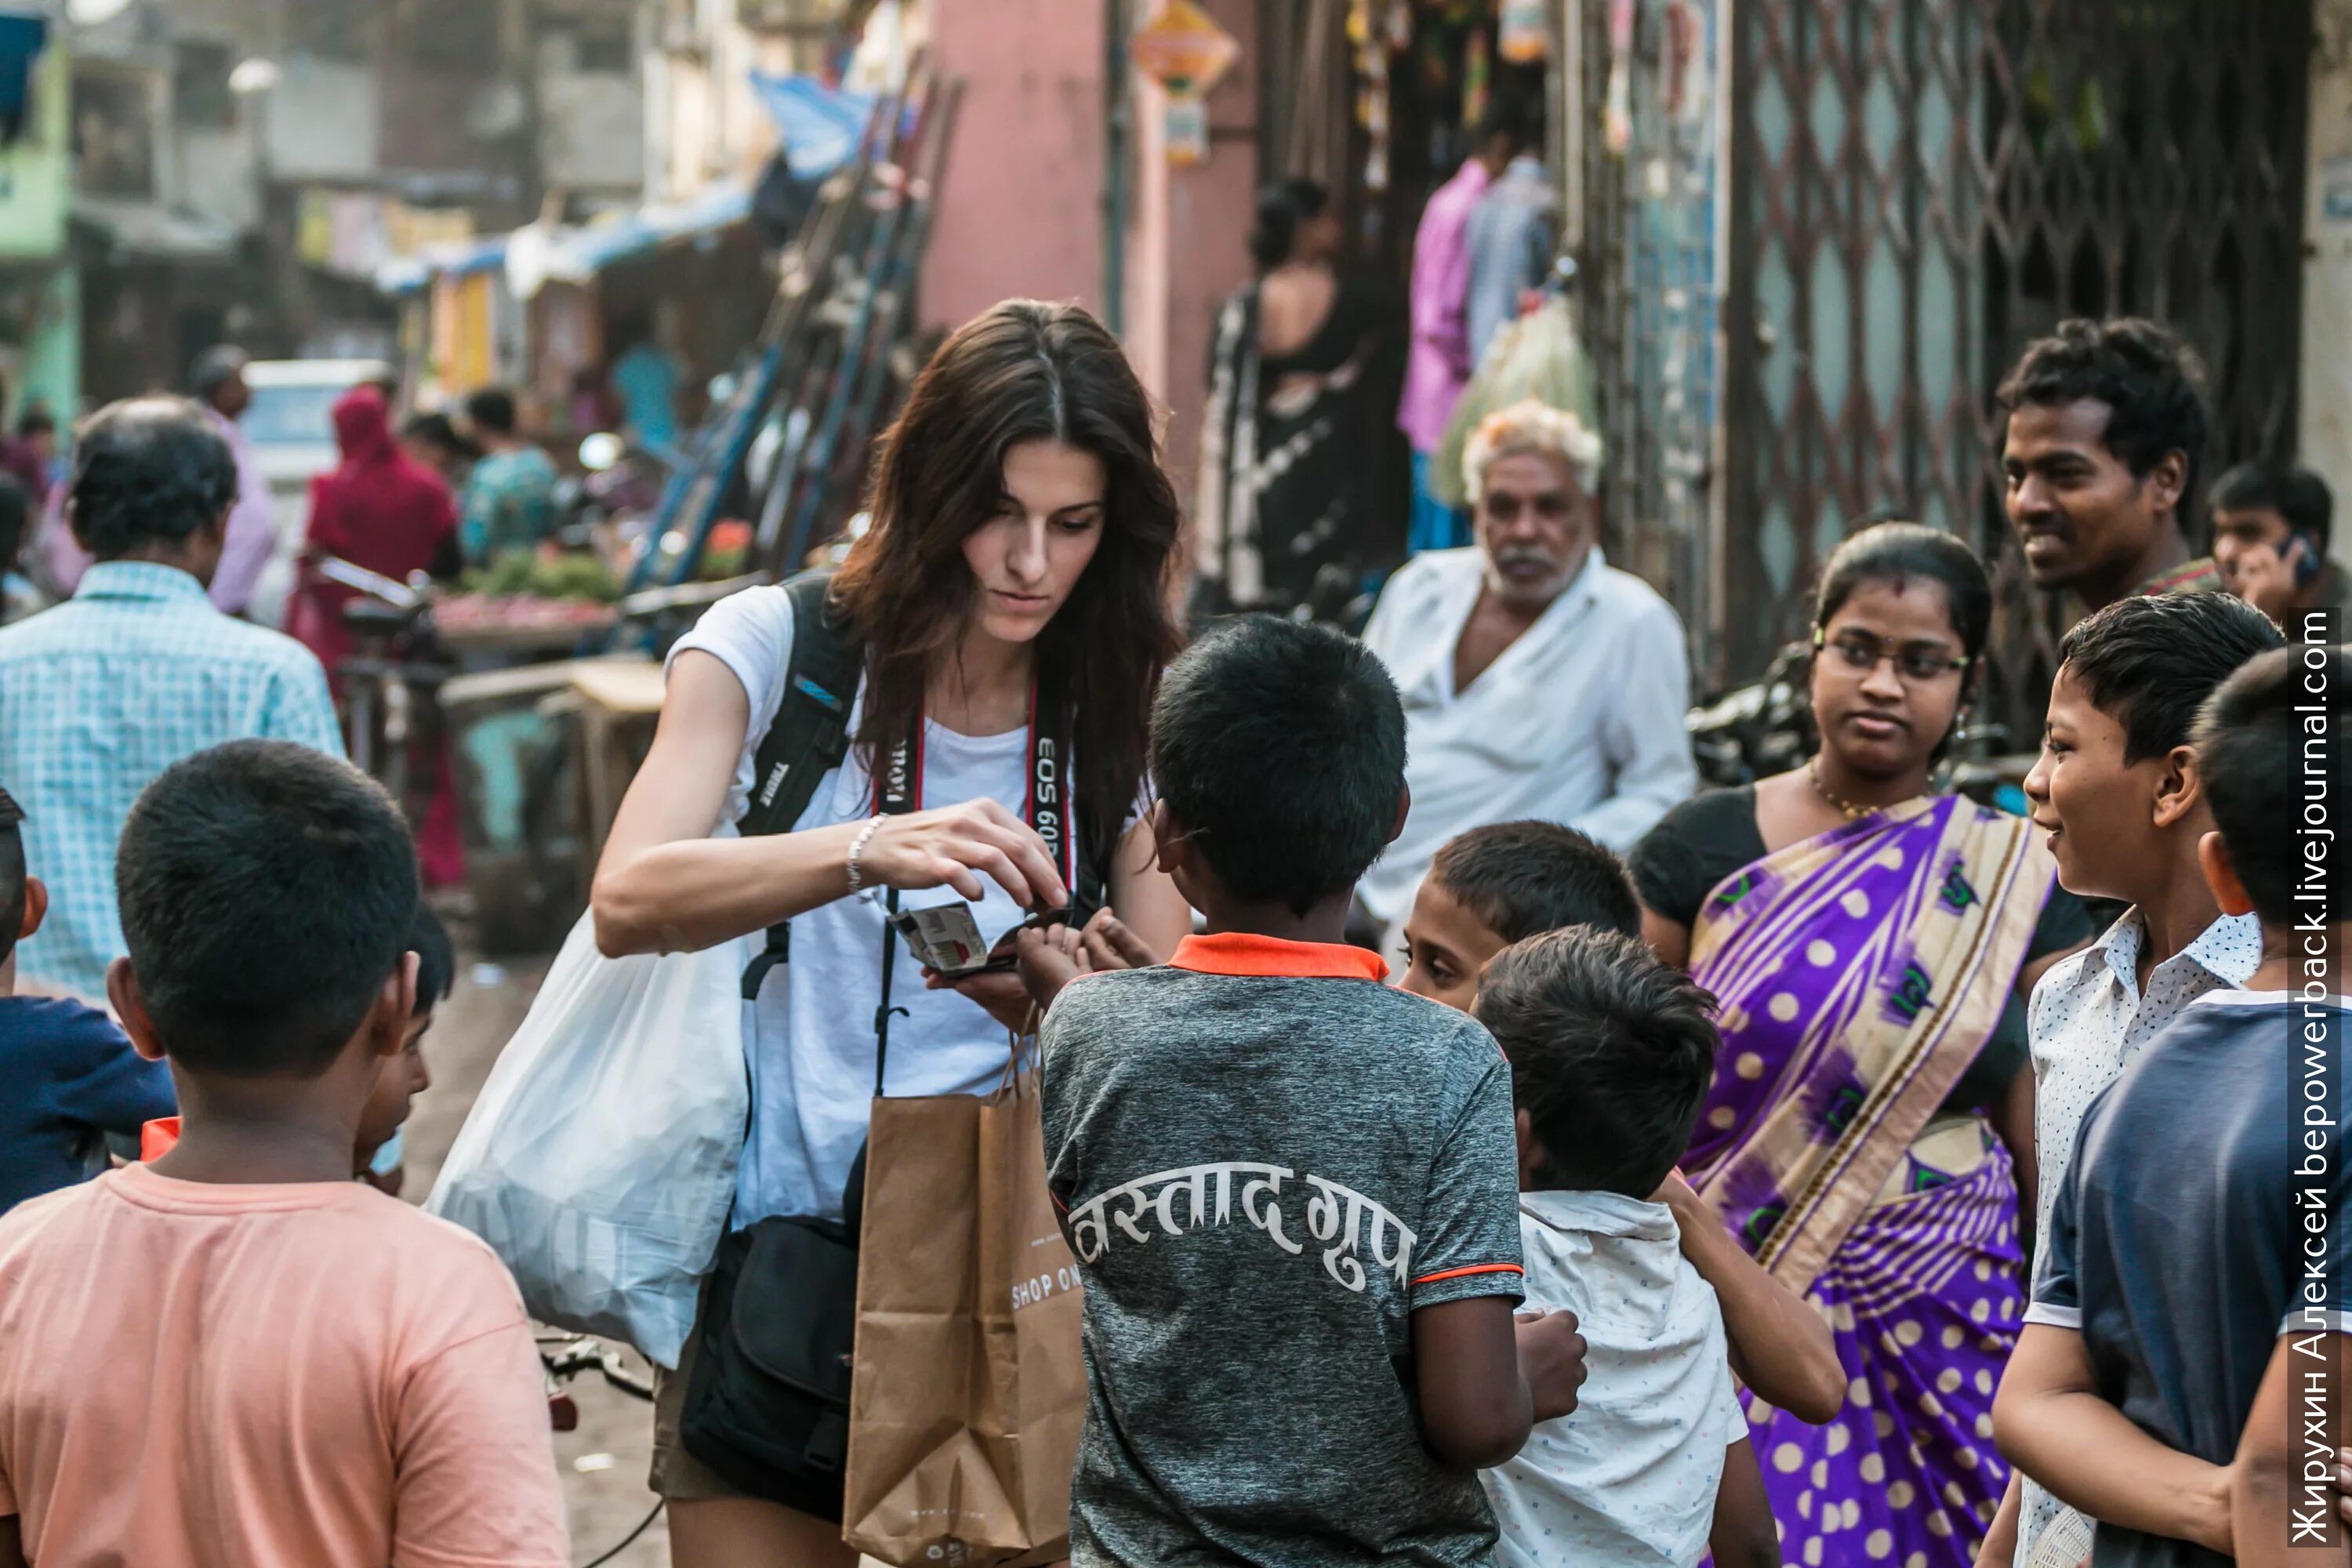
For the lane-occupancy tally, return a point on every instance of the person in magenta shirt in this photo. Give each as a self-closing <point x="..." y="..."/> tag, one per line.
<point x="1438" y="363"/>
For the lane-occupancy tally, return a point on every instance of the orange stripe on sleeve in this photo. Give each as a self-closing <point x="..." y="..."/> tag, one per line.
<point x="1474" y="1268"/>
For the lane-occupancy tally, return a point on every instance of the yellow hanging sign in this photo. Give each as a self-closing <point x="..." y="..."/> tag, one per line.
<point x="1182" y="49"/>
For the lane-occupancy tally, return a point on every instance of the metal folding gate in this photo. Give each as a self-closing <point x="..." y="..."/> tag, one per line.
<point x="1912" y="189"/>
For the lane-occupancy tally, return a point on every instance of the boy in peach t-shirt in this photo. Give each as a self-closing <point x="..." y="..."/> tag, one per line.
<point x="237" y="1353"/>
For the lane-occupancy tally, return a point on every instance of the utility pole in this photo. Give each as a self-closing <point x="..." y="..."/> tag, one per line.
<point x="523" y="19"/>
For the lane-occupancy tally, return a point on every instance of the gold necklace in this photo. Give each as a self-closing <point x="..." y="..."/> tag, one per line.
<point x="1813" y="771"/>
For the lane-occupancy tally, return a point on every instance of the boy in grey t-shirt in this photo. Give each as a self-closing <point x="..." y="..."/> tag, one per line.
<point x="1292" y="1189"/>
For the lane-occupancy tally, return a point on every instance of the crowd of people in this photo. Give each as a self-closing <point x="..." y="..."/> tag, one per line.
<point x="1789" y="1174"/>
<point x="1313" y="370"/>
<point x="442" y="490"/>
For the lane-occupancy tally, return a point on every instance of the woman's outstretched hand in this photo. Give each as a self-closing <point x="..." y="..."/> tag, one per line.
<point x="955" y="847"/>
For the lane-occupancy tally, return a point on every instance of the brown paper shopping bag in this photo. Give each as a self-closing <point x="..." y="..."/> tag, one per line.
<point x="971" y="1386"/>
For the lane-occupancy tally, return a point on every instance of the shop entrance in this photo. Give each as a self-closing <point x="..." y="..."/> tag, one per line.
<point x="1376" y="101"/>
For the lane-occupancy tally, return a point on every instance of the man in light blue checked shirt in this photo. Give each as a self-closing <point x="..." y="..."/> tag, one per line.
<point x="102" y="693"/>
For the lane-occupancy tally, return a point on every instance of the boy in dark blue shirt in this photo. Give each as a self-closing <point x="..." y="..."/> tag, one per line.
<point x="2196" y="1278"/>
<point x="68" y="1076"/>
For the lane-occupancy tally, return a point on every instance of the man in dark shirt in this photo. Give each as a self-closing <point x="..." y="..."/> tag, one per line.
<point x="2106" y="421"/>
<point x="2199" y="1263"/>
<point x="25" y="456"/>
<point x="2271" y="527"/>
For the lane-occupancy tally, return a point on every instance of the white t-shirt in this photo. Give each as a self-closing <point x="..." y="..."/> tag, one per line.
<point x="809" y="1042"/>
<point x="1628" y="1481"/>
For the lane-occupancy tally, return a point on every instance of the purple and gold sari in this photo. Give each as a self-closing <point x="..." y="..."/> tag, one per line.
<point x="1857" y="975"/>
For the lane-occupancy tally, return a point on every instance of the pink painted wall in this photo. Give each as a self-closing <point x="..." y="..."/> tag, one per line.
<point x="1020" y="210"/>
<point x="1188" y="241"/>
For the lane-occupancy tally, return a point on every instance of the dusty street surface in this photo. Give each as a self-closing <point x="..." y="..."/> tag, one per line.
<point x="604" y="1463"/>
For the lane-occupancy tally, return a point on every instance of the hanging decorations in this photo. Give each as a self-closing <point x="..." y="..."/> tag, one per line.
<point x="1688" y="87"/>
<point x="1617" y="105"/>
<point x="1524" y="35"/>
<point x="1182" y="49"/>
<point x="1378" y="30"/>
<point x="1478" y="80"/>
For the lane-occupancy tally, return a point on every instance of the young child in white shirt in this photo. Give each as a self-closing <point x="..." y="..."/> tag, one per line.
<point x="1610" y="1053"/>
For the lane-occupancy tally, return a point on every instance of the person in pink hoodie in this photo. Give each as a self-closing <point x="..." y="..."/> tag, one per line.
<point x="383" y="510"/>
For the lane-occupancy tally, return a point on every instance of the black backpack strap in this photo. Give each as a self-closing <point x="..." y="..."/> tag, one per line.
<point x="807" y="739"/>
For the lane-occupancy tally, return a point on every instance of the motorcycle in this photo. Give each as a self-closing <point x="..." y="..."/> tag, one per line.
<point x="389" y="677"/>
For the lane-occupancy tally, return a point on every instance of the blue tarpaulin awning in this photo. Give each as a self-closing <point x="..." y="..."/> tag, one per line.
<point x="22" y="40"/>
<point x="818" y="126"/>
<point x="407" y="274"/>
<point x="577" y="255"/>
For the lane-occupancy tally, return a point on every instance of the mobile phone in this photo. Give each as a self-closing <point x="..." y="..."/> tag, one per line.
<point x="949" y="938"/>
<point x="946" y="938"/>
<point x="2303" y="558"/>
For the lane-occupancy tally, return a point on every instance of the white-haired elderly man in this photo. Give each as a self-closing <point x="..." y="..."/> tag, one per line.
<point x="1538" y="681"/>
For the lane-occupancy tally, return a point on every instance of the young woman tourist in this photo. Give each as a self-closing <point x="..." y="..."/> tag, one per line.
<point x="1011" y="593"/>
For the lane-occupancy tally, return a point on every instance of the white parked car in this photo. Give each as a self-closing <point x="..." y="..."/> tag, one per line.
<point x="291" y="426"/>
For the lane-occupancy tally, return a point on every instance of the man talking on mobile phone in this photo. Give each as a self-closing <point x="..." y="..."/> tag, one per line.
<point x="2270" y="530"/>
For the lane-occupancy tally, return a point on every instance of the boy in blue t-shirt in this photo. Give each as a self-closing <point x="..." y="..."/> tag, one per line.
<point x="2198" y="1269"/>
<point x="68" y="1076"/>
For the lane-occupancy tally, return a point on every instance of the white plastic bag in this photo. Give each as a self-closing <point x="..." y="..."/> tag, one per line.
<point x="1538" y="355"/>
<point x="598" y="1161"/>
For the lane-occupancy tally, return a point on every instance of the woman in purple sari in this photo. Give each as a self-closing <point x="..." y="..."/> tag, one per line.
<point x="1869" y="945"/>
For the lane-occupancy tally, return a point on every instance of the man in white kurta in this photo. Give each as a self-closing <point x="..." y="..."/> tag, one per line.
<point x="1538" y="680"/>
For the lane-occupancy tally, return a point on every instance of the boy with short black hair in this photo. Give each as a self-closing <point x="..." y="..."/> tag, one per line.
<point x="1494" y="886"/>
<point x="1292" y="1188"/>
<point x="401" y="1079"/>
<point x="1610" y="1054"/>
<point x="2184" y="1306"/>
<point x="170" y="1330"/>
<point x="68" y="1076"/>
<point x="2117" y="789"/>
<point x="1497" y="884"/>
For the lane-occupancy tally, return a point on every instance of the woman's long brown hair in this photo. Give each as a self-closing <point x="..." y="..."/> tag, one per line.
<point x="1025" y="370"/>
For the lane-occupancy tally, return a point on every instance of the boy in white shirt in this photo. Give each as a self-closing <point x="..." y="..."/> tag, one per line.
<point x="1610" y="1053"/>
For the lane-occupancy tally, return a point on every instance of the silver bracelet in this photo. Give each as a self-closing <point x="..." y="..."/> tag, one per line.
<point x="858" y="848"/>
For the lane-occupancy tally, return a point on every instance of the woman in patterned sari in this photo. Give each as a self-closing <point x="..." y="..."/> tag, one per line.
<point x="1869" y="945"/>
<point x="1304" y="361"/>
